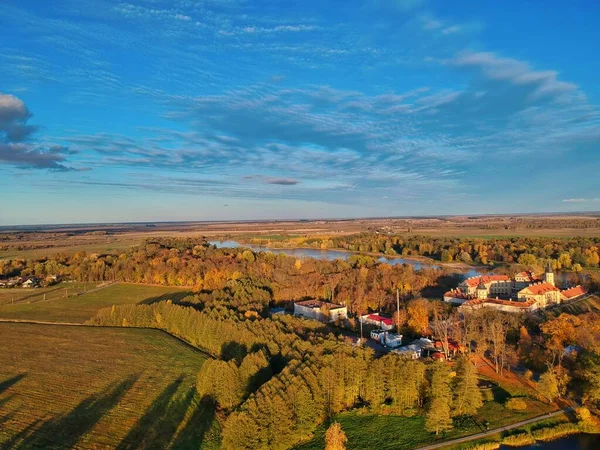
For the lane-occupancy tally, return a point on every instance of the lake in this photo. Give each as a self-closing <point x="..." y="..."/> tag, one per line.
<point x="574" y="442"/>
<point x="330" y="255"/>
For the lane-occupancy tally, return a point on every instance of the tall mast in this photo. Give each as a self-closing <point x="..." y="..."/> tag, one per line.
<point x="397" y="310"/>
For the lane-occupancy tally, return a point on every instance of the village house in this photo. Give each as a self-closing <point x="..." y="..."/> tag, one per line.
<point x="384" y="323"/>
<point x="387" y="339"/>
<point x="32" y="282"/>
<point x="525" y="292"/>
<point x="320" y="310"/>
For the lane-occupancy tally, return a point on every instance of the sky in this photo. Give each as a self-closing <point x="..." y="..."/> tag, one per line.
<point x="165" y="110"/>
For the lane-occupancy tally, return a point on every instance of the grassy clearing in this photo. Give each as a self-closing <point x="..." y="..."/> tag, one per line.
<point x="368" y="431"/>
<point x="87" y="387"/>
<point x="79" y="306"/>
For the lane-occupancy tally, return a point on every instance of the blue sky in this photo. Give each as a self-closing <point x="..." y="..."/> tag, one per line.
<point x="235" y="109"/>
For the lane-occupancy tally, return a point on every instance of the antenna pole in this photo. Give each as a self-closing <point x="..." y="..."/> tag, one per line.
<point x="397" y="310"/>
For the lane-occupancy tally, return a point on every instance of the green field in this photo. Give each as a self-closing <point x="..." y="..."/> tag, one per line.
<point x="367" y="431"/>
<point x="88" y="387"/>
<point x="79" y="306"/>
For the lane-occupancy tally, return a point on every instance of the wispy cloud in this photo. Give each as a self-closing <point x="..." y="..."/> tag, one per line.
<point x="581" y="200"/>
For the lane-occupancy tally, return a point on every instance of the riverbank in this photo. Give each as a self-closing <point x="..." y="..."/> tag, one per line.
<point x="421" y="261"/>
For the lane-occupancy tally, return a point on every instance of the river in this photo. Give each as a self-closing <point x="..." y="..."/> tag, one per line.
<point x="574" y="442"/>
<point x="330" y="255"/>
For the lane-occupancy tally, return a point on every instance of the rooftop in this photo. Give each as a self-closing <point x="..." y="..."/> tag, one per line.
<point x="485" y="279"/>
<point x="319" y="304"/>
<point x="540" y="288"/>
<point x="575" y="291"/>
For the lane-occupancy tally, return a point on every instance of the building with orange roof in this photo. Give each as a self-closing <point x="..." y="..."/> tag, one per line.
<point x="524" y="292"/>
<point x="573" y="293"/>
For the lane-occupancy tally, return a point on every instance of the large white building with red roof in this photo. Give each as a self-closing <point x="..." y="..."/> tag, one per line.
<point x="523" y="292"/>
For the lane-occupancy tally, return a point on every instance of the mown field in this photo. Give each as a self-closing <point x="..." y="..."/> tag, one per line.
<point x="86" y="387"/>
<point x="82" y="301"/>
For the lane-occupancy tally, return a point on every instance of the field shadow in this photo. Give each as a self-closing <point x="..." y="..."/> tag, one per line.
<point x="66" y="430"/>
<point x="175" y="297"/>
<point x="159" y="424"/>
<point x="192" y="435"/>
<point x="4" y="385"/>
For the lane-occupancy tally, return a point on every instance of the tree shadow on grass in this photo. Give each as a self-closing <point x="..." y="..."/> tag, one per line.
<point x="501" y="395"/>
<point x="192" y="435"/>
<point x="160" y="422"/>
<point x="66" y="430"/>
<point x="175" y="297"/>
<point x="4" y="385"/>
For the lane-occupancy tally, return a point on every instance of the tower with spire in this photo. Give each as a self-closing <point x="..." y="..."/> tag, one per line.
<point x="482" y="291"/>
<point x="549" y="274"/>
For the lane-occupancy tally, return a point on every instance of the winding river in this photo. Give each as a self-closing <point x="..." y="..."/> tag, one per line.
<point x="330" y="255"/>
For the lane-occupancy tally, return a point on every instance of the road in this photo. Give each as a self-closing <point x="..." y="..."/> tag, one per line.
<point x="495" y="430"/>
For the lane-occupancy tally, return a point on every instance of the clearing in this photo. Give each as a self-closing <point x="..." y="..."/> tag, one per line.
<point x="80" y="305"/>
<point x="91" y="387"/>
<point x="369" y="431"/>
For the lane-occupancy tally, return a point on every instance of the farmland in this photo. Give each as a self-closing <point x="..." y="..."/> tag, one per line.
<point x="83" y="301"/>
<point x="87" y="387"/>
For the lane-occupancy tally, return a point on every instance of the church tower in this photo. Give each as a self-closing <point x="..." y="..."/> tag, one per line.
<point x="482" y="291"/>
<point x="549" y="274"/>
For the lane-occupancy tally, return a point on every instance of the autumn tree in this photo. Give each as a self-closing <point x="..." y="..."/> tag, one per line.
<point x="335" y="438"/>
<point x="548" y="385"/>
<point x="418" y="315"/>
<point x="467" y="396"/>
<point x="437" y="417"/>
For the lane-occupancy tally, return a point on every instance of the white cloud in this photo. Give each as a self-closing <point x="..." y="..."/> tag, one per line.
<point x="581" y="200"/>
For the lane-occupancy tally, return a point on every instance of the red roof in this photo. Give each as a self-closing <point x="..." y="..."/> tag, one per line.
<point x="531" y="277"/>
<point x="456" y="294"/>
<point x="541" y="288"/>
<point x="378" y="318"/>
<point x="474" y="281"/>
<point x="573" y="292"/>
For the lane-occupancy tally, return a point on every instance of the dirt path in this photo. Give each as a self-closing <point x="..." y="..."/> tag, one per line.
<point x="495" y="430"/>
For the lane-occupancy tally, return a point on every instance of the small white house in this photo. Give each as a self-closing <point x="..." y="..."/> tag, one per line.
<point x="384" y="337"/>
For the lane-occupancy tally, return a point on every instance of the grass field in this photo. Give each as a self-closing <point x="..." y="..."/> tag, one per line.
<point x="79" y="306"/>
<point x="88" y="387"/>
<point x="367" y="431"/>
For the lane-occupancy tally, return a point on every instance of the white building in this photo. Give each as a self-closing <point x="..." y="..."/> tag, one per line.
<point x="319" y="310"/>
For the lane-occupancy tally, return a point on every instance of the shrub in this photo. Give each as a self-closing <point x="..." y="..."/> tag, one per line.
<point x="516" y="404"/>
<point x="485" y="446"/>
<point x="518" y="440"/>
<point x="558" y="431"/>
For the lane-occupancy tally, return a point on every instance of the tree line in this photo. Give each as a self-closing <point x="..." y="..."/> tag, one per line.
<point x="582" y="252"/>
